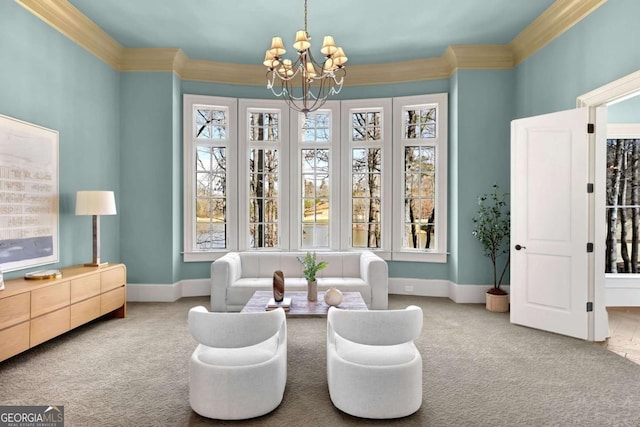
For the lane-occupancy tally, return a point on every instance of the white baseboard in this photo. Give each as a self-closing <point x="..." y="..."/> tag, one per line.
<point x="463" y="294"/>
<point x="168" y="293"/>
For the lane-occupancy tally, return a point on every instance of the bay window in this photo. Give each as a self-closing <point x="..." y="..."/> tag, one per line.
<point x="354" y="175"/>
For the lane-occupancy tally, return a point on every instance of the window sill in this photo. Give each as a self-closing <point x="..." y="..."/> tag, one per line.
<point x="435" y="257"/>
<point x="203" y="256"/>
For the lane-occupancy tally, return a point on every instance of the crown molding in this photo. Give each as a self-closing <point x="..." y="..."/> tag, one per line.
<point x="559" y="17"/>
<point x="477" y="57"/>
<point x="64" y="17"/>
<point x="152" y="59"/>
<point x="398" y="72"/>
<point x="223" y="72"/>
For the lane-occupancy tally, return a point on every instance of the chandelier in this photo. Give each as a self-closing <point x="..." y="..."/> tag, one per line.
<point x="305" y="84"/>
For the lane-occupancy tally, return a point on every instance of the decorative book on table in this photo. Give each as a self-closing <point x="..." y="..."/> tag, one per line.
<point x="273" y="304"/>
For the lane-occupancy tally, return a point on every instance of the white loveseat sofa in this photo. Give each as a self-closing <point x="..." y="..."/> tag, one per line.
<point x="237" y="275"/>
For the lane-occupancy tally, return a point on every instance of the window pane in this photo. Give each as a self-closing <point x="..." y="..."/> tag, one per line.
<point x="263" y="126"/>
<point x="211" y="159"/>
<point x="316" y="192"/>
<point x="316" y="127"/>
<point x="419" y="236"/>
<point x="210" y="236"/>
<point x="315" y="223"/>
<point x="366" y="179"/>
<point x="211" y="193"/>
<point x="366" y="183"/>
<point x="366" y="126"/>
<point x="210" y="123"/>
<point x="315" y="236"/>
<point x="263" y="236"/>
<point x="419" y="123"/>
<point x="366" y="235"/>
<point x="419" y="195"/>
<point x="263" y="198"/>
<point x="623" y="207"/>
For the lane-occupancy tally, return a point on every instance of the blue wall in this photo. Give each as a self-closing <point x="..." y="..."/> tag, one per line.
<point x="147" y="162"/>
<point x="123" y="131"/>
<point x="599" y="49"/>
<point x="627" y="111"/>
<point x="47" y="80"/>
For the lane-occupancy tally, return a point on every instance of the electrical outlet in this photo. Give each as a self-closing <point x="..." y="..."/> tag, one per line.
<point x="408" y="288"/>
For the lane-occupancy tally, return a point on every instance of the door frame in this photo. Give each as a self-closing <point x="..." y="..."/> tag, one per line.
<point x="622" y="289"/>
<point x="596" y="100"/>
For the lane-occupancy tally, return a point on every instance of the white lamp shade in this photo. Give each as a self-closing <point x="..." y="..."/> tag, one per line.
<point x="95" y="203"/>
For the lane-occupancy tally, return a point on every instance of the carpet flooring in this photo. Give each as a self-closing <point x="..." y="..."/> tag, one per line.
<point x="479" y="370"/>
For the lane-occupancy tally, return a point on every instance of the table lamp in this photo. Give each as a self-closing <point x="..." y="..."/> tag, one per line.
<point x="95" y="203"/>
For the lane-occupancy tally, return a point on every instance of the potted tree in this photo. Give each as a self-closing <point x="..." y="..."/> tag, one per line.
<point x="311" y="267"/>
<point x="492" y="227"/>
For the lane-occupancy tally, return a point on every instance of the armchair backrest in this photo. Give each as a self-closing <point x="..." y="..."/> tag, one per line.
<point x="377" y="327"/>
<point x="233" y="330"/>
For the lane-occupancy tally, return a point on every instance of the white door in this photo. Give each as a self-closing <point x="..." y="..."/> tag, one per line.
<point x="549" y="214"/>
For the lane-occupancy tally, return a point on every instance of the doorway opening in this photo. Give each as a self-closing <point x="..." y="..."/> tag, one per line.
<point x="608" y="95"/>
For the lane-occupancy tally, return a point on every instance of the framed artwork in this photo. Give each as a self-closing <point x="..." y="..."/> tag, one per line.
<point x="28" y="195"/>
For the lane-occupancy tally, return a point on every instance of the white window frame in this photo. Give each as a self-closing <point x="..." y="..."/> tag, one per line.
<point x="384" y="106"/>
<point x="295" y="231"/>
<point x="190" y="144"/>
<point x="289" y="220"/>
<point x="624" y="281"/>
<point x="282" y="145"/>
<point x="439" y="253"/>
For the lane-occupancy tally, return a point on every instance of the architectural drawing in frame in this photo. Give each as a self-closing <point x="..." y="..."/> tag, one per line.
<point x="28" y="195"/>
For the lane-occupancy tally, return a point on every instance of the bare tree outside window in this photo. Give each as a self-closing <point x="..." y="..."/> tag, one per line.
<point x="315" y="180"/>
<point x="210" y="130"/>
<point x="623" y="205"/>
<point x="263" y="181"/>
<point x="366" y="179"/>
<point x="419" y="191"/>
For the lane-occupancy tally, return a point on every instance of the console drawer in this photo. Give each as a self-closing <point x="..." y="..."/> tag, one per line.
<point x="113" y="278"/>
<point x="85" y="311"/>
<point x="112" y="300"/>
<point x="14" y="340"/>
<point x="85" y="287"/>
<point x="49" y="299"/>
<point x="50" y="325"/>
<point x="14" y="310"/>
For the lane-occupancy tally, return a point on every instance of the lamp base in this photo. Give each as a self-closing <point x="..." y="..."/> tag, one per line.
<point x="96" y="264"/>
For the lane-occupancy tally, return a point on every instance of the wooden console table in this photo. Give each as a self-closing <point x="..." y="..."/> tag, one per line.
<point x="34" y="311"/>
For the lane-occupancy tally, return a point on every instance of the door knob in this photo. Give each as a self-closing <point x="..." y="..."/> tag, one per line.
<point x="518" y="247"/>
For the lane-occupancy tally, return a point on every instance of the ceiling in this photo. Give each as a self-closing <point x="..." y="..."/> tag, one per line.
<point x="370" y="31"/>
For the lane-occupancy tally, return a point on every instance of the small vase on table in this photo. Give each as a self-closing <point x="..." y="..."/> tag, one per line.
<point x="312" y="290"/>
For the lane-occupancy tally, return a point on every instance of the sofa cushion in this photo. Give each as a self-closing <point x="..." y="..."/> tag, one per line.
<point x="343" y="264"/>
<point x="263" y="264"/>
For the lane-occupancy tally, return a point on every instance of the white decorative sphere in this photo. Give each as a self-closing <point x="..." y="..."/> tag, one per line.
<point x="333" y="297"/>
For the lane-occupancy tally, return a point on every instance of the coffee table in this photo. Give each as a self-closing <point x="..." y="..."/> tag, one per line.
<point x="301" y="306"/>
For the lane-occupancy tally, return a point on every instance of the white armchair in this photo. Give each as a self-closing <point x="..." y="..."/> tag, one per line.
<point x="239" y="369"/>
<point x="374" y="369"/>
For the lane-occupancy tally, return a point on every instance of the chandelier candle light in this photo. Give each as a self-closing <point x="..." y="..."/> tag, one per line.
<point x="305" y="84"/>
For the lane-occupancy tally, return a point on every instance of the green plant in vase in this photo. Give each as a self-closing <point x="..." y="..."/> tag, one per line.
<point x="311" y="268"/>
<point x="492" y="227"/>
